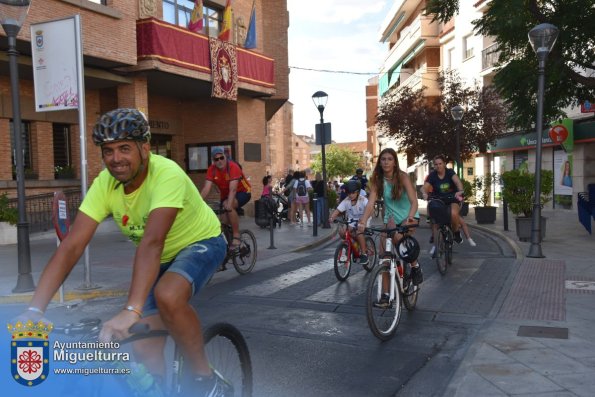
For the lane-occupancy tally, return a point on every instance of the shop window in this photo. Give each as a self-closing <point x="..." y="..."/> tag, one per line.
<point x="520" y="160"/>
<point x="26" y="146"/>
<point x="178" y="12"/>
<point x="161" y="145"/>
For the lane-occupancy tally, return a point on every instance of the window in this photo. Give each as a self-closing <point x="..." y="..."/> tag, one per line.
<point x="104" y="2"/>
<point x="198" y="156"/>
<point x="450" y="58"/>
<point x="178" y="12"/>
<point x="161" y="145"/>
<point x="467" y="47"/>
<point x="26" y="146"/>
<point x="62" y="151"/>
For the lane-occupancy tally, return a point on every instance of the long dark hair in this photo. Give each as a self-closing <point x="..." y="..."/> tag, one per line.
<point x="378" y="176"/>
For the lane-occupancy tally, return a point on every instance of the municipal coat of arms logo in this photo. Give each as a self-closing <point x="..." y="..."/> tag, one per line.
<point x="39" y="39"/>
<point x="29" y="352"/>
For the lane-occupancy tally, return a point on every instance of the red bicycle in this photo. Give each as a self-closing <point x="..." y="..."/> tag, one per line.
<point x="348" y="251"/>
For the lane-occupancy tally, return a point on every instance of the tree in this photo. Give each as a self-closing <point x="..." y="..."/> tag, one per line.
<point x="570" y="68"/>
<point x="423" y="127"/>
<point x="339" y="162"/>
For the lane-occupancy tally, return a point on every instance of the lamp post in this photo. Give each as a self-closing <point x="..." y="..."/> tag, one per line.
<point x="12" y="16"/>
<point x="457" y="114"/>
<point x="380" y="139"/>
<point x="320" y="98"/>
<point x="542" y="38"/>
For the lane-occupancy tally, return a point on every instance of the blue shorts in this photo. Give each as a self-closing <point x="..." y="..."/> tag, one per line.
<point x="196" y="263"/>
<point x="241" y="197"/>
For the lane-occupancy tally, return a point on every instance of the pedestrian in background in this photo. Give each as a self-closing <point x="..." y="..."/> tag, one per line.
<point x="318" y="186"/>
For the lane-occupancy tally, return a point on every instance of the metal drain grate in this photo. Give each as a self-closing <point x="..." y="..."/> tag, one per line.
<point x="543" y="332"/>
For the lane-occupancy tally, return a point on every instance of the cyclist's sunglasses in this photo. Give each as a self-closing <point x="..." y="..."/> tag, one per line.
<point x="220" y="158"/>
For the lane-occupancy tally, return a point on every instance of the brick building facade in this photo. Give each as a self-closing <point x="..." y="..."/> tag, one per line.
<point x="174" y="93"/>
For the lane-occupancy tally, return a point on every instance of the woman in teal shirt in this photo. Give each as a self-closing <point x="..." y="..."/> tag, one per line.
<point x="400" y="199"/>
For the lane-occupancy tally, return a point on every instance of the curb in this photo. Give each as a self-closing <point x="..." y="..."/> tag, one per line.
<point x="68" y="296"/>
<point x="320" y="241"/>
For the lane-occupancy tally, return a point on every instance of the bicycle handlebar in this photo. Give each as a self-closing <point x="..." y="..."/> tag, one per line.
<point x="401" y="229"/>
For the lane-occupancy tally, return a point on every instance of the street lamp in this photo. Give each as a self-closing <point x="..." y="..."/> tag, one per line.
<point x="380" y="139"/>
<point x="320" y="98"/>
<point x="12" y="16"/>
<point x="542" y="38"/>
<point x="457" y="114"/>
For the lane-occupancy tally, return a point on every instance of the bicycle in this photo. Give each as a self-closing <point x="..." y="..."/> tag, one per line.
<point x="225" y="347"/>
<point x="392" y="277"/>
<point x="244" y="257"/>
<point x="439" y="213"/>
<point x="348" y="251"/>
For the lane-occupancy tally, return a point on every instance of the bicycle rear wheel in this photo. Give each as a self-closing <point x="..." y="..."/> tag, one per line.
<point x="441" y="258"/>
<point x="342" y="262"/>
<point x="383" y="317"/>
<point x="410" y="290"/>
<point x="245" y="258"/>
<point x="228" y="354"/>
<point x="371" y="252"/>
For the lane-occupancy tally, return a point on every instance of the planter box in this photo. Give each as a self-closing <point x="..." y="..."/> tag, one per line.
<point x="485" y="215"/>
<point x="8" y="233"/>
<point x="523" y="228"/>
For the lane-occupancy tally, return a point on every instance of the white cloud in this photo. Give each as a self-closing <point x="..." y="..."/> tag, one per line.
<point x="337" y="35"/>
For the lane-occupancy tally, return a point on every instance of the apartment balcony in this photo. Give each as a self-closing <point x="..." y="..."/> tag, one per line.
<point x="489" y="59"/>
<point x="424" y="77"/>
<point x="177" y="62"/>
<point x="421" y="30"/>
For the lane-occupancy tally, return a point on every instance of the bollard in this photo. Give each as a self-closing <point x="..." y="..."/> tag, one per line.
<point x="315" y="216"/>
<point x="505" y="214"/>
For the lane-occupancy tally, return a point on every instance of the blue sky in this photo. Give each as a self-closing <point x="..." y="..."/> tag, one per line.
<point x="339" y="35"/>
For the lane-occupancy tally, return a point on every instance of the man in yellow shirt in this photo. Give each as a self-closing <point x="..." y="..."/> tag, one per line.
<point x="178" y="239"/>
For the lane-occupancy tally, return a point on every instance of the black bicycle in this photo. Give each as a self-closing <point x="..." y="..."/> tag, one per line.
<point x="244" y="256"/>
<point x="439" y="212"/>
<point x="225" y="347"/>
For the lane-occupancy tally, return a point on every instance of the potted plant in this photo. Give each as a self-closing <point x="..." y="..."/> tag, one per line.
<point x="64" y="172"/>
<point x="518" y="192"/>
<point x="8" y="220"/>
<point x="484" y="212"/>
<point x="469" y="195"/>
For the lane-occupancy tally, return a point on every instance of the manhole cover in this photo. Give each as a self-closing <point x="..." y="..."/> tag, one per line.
<point x="543" y="332"/>
<point x="578" y="285"/>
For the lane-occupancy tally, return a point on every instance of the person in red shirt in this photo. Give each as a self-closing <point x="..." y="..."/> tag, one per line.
<point x="233" y="187"/>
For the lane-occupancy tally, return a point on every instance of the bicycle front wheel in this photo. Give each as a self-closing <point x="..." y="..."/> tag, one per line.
<point x="342" y="262"/>
<point x="245" y="258"/>
<point x="383" y="314"/>
<point x="441" y="255"/>
<point x="449" y="242"/>
<point x="228" y="354"/>
<point x="372" y="254"/>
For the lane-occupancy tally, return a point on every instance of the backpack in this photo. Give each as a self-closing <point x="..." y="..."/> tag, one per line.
<point x="301" y="188"/>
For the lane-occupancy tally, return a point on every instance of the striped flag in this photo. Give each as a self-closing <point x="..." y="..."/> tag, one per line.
<point x="251" y="35"/>
<point x="196" y="18"/>
<point x="225" y="33"/>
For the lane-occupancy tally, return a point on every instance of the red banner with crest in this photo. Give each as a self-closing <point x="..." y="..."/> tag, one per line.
<point x="224" y="69"/>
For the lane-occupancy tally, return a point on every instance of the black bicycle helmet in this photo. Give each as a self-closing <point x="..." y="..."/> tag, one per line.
<point x="408" y="249"/>
<point x="121" y="124"/>
<point x="352" y="186"/>
<point x="359" y="171"/>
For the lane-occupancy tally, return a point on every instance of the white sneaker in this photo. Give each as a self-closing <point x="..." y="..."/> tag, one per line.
<point x="309" y="224"/>
<point x="471" y="242"/>
<point x="432" y="251"/>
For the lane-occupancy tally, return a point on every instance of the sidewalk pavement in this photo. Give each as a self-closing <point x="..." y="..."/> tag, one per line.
<point x="111" y="255"/>
<point x="538" y="339"/>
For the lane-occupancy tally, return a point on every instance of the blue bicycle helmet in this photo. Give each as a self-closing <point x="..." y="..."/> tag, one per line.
<point x="352" y="186"/>
<point x="121" y="124"/>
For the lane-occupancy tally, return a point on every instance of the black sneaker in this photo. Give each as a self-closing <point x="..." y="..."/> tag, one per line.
<point x="416" y="275"/>
<point x="363" y="259"/>
<point x="457" y="237"/>
<point x="432" y="239"/>
<point x="384" y="301"/>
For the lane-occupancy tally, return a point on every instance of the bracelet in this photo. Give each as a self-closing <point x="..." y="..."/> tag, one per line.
<point x="35" y="310"/>
<point x="134" y="309"/>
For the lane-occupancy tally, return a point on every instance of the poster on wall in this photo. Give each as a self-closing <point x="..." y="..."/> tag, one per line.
<point x="54" y="54"/>
<point x="562" y="179"/>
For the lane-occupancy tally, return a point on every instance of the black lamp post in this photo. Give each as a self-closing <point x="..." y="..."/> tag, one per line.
<point x="12" y="16"/>
<point x="457" y="113"/>
<point x="542" y="38"/>
<point x="380" y="139"/>
<point x="320" y="98"/>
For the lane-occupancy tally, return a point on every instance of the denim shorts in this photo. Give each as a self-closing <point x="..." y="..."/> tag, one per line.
<point x="196" y="263"/>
